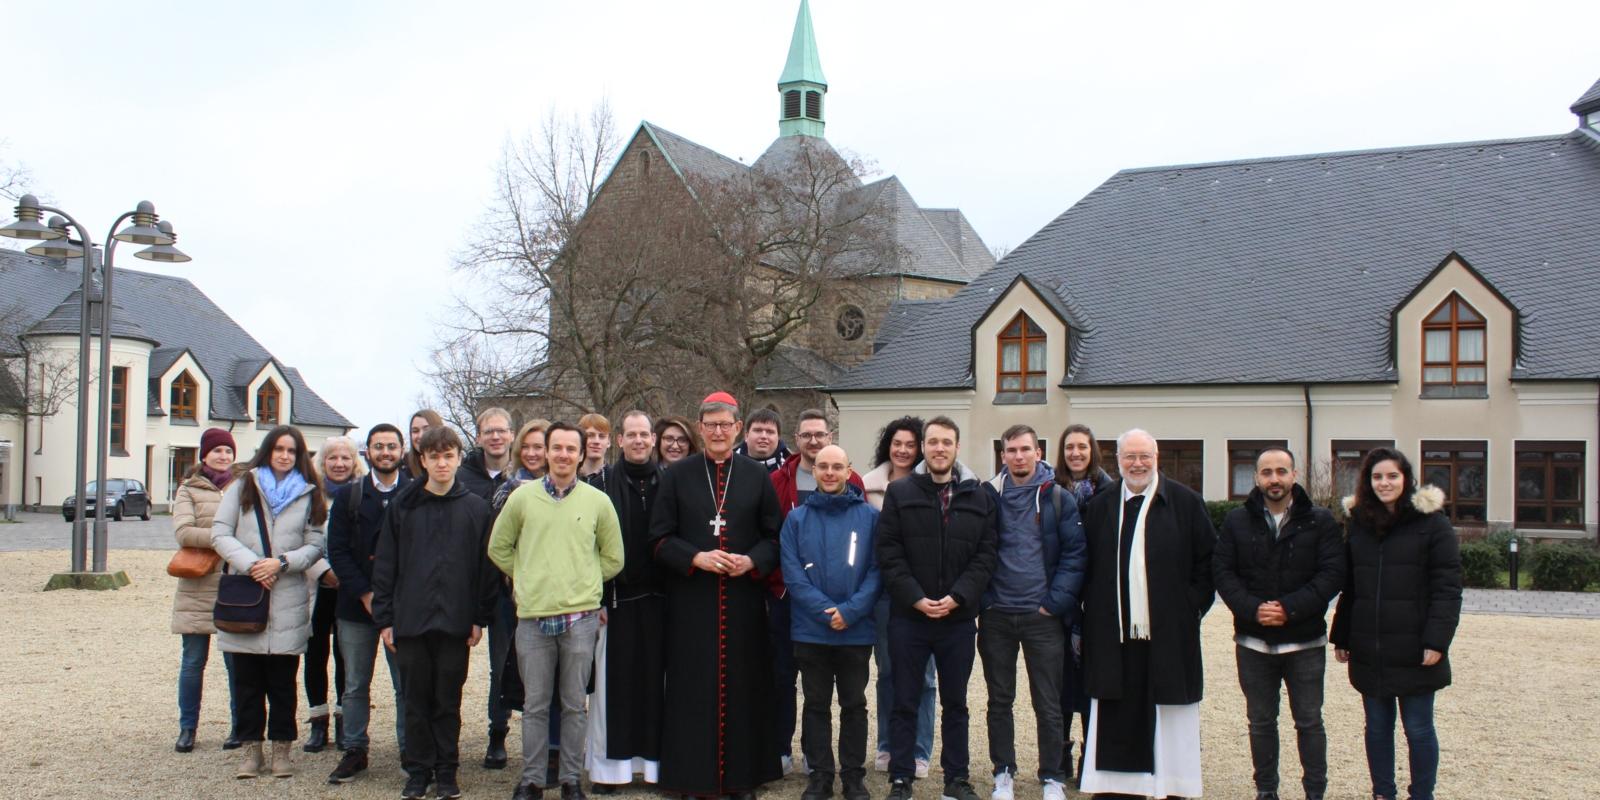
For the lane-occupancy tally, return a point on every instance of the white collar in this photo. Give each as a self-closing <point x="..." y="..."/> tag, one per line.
<point x="1129" y="494"/>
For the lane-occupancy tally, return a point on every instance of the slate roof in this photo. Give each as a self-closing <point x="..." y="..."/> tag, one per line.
<point x="171" y="312"/>
<point x="902" y="314"/>
<point x="939" y="244"/>
<point x="1288" y="269"/>
<point x="796" y="368"/>
<point x="1589" y="101"/>
<point x="67" y="318"/>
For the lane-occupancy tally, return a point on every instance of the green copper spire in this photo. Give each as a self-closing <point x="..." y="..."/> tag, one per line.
<point x="801" y="86"/>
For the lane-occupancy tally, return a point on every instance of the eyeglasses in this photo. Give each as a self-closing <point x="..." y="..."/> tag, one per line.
<point x="812" y="437"/>
<point x="674" y="441"/>
<point x="717" y="426"/>
<point x="1137" y="458"/>
<point x="495" y="432"/>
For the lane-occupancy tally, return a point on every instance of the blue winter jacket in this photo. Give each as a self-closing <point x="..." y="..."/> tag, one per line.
<point x="1065" y="548"/>
<point x="828" y="547"/>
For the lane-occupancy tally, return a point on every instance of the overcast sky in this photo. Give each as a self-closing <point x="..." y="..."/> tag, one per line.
<point x="323" y="161"/>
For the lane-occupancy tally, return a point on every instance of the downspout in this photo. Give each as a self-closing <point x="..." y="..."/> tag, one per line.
<point x="27" y="383"/>
<point x="1305" y="389"/>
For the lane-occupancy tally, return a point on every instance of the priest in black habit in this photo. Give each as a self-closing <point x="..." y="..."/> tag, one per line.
<point x="1147" y="586"/>
<point x="625" y="707"/>
<point x="715" y="530"/>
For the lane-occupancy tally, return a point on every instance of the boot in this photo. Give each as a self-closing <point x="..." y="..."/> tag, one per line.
<point x="317" y="739"/>
<point x="819" y="786"/>
<point x="250" y="764"/>
<point x="854" y="784"/>
<point x="495" y="756"/>
<point x="185" y="741"/>
<point x="232" y="742"/>
<point x="281" y="766"/>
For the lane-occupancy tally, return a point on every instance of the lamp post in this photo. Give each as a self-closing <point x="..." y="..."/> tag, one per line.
<point x="54" y="242"/>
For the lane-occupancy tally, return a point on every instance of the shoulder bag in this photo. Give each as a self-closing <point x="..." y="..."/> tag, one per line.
<point x="242" y="602"/>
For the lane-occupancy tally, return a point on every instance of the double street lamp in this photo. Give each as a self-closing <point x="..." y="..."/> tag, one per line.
<point x="54" y="242"/>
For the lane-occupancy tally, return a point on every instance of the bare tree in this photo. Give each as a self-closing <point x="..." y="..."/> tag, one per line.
<point x="460" y="372"/>
<point x="35" y="381"/>
<point x="14" y="176"/>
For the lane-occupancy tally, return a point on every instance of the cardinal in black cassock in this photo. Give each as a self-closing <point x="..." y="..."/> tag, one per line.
<point x="715" y="530"/>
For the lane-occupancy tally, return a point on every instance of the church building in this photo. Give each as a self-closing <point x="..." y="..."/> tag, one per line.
<point x="1443" y="299"/>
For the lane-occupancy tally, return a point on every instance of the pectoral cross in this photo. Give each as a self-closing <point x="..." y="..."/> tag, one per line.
<point x="717" y="525"/>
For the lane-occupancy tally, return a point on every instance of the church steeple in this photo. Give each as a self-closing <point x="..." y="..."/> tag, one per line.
<point x="801" y="86"/>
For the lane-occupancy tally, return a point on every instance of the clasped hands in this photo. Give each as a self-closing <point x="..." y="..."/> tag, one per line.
<point x="1271" y="614"/>
<point x="265" y="572"/>
<point x="722" y="562"/>
<point x="936" y="609"/>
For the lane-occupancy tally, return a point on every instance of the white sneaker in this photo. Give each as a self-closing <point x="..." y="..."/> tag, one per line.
<point x="1002" y="787"/>
<point x="881" y="763"/>
<point x="1054" y="790"/>
<point x="922" y="767"/>
<point x="788" y="764"/>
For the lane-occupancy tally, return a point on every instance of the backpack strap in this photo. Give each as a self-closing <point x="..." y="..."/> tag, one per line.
<point x="353" y="515"/>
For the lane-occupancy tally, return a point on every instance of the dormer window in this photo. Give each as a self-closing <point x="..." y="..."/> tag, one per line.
<point x="1454" y="343"/>
<point x="1020" y="373"/>
<point x="184" y="397"/>
<point x="267" y="397"/>
<point x="1592" y="120"/>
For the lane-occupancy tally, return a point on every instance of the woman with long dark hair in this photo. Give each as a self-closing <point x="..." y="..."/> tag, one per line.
<point x="192" y="509"/>
<point x="898" y="451"/>
<point x="339" y="464"/>
<point x="420" y="422"/>
<point x="674" y="440"/>
<point x="1398" y="614"/>
<point x="1080" y="473"/>
<point x="282" y="485"/>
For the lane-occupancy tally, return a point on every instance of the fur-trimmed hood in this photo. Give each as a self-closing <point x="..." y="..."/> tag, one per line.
<point x="1426" y="499"/>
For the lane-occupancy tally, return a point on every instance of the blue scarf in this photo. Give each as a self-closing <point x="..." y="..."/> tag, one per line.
<point x="279" y="494"/>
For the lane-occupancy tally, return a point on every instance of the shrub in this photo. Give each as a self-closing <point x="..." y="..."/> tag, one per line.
<point x="1501" y="541"/>
<point x="1218" y="509"/>
<point x="1480" y="565"/>
<point x="1564" y="567"/>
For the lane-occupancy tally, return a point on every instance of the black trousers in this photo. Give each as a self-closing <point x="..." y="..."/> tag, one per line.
<point x="433" y="668"/>
<point x="259" y="682"/>
<point x="953" y="646"/>
<point x="821" y="668"/>
<point x="324" y="641"/>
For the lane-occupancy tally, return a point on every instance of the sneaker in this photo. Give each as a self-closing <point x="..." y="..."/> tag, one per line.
<point x="853" y="784"/>
<point x="416" y="787"/>
<point x="959" y="789"/>
<point x="573" y="791"/>
<point x="354" y="761"/>
<point x="1055" y="790"/>
<point x="900" y="789"/>
<point x="528" y="791"/>
<point x="881" y="763"/>
<point x="1002" y="787"/>
<point x="1260" y="795"/>
<point x="447" y="788"/>
<point x="819" y="786"/>
<point x="922" y="767"/>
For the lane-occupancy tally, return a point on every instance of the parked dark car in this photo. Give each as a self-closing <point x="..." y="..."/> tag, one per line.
<point x="123" y="497"/>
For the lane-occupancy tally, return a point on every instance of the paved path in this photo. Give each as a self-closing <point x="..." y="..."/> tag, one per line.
<point x="1584" y="605"/>
<point x="42" y="531"/>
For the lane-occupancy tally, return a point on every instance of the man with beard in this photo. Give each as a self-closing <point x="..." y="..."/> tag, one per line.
<point x="1148" y="585"/>
<point x="354" y="521"/>
<point x="715" y="530"/>
<point x="625" y="707"/>
<point x="1279" y="562"/>
<point x="936" y="551"/>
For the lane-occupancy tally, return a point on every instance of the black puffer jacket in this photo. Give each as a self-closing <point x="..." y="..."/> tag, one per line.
<point x="474" y="474"/>
<point x="923" y="555"/>
<point x="1302" y="568"/>
<point x="432" y="572"/>
<point x="1402" y="595"/>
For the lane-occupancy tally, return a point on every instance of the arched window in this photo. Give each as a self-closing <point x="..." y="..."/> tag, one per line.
<point x="644" y="163"/>
<point x="184" y="398"/>
<point x="1454" y="340"/>
<point x="1022" y="356"/>
<point x="267" y="403"/>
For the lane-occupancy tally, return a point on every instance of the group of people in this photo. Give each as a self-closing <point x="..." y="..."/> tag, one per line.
<point x="652" y="617"/>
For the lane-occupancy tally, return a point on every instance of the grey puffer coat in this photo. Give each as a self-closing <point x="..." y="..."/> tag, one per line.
<point x="236" y="537"/>
<point x="192" y="510"/>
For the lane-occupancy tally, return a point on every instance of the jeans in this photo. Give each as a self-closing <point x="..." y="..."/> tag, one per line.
<point x="1416" y="714"/>
<point x="358" y="641"/>
<point x="1044" y="644"/>
<point x="821" y="668"/>
<point x="885" y="690"/>
<point x="784" y="673"/>
<point x="953" y="648"/>
<point x="538" y="657"/>
<point x="502" y="629"/>
<point x="191" y="681"/>
<point x="259" y="680"/>
<point x="323" y="642"/>
<point x="1260" y="675"/>
<point x="433" y="668"/>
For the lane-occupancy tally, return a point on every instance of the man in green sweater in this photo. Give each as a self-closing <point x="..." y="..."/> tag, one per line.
<point x="559" y="539"/>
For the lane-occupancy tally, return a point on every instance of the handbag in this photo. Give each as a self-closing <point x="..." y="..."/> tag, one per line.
<point x="193" y="562"/>
<point x="242" y="603"/>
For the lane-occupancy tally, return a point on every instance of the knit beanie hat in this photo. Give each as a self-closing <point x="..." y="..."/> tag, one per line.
<point x="214" y="438"/>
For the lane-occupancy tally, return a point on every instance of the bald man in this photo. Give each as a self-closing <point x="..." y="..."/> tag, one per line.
<point x="832" y="578"/>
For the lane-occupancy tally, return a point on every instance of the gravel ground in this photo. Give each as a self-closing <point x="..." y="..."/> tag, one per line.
<point x="87" y="682"/>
